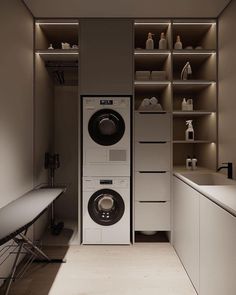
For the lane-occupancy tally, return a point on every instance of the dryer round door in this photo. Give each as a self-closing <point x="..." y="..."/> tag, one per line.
<point x="106" y="207"/>
<point x="106" y="127"/>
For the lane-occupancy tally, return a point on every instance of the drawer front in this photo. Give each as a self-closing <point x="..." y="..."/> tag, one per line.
<point x="152" y="216"/>
<point x="152" y="186"/>
<point x="149" y="126"/>
<point x="152" y="156"/>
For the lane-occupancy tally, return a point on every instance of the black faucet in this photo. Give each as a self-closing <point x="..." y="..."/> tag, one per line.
<point x="229" y="168"/>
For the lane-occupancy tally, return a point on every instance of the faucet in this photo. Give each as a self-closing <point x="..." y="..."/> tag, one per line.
<point x="229" y="167"/>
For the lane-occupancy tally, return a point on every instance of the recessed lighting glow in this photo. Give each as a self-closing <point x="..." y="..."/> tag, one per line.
<point x="193" y="53"/>
<point x="151" y="82"/>
<point x="151" y="23"/>
<point x="151" y="53"/>
<point x="192" y="23"/>
<point x="57" y="23"/>
<point x="56" y="53"/>
<point x="189" y="82"/>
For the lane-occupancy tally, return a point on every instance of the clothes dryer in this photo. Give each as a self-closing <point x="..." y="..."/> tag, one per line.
<point x="106" y="136"/>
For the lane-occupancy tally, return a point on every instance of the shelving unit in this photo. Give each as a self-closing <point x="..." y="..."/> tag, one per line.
<point x="55" y="32"/>
<point x="152" y="154"/>
<point x="62" y="64"/>
<point x="199" y="39"/>
<point x="201" y="88"/>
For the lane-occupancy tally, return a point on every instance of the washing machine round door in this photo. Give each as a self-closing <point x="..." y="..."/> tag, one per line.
<point x="106" y="127"/>
<point x="106" y="207"/>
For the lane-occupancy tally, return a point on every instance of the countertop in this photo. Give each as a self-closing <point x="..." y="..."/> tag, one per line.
<point x="222" y="195"/>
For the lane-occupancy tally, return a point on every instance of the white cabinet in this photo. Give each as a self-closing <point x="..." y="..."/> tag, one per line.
<point x="152" y="186"/>
<point x="186" y="228"/>
<point x="152" y="156"/>
<point x="205" y="241"/>
<point x="152" y="163"/>
<point x="152" y="126"/>
<point x="151" y="216"/>
<point x="217" y="250"/>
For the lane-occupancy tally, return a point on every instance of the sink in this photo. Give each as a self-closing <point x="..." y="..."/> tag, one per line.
<point x="209" y="179"/>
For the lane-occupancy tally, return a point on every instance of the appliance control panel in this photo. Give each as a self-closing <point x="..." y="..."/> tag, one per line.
<point x="105" y="182"/>
<point x="106" y="102"/>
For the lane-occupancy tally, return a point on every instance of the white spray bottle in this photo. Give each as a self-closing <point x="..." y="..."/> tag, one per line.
<point x="189" y="133"/>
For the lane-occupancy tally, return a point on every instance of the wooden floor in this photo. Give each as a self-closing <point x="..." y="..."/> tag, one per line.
<point x="141" y="269"/>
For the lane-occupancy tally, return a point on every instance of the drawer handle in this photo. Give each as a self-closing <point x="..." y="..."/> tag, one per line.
<point x="148" y="142"/>
<point x="143" y="172"/>
<point x="152" y="201"/>
<point x="147" y="113"/>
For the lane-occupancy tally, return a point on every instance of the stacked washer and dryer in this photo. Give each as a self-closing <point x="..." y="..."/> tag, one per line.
<point x="106" y="170"/>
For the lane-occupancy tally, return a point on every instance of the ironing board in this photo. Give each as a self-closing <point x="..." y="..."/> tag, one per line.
<point x="18" y="216"/>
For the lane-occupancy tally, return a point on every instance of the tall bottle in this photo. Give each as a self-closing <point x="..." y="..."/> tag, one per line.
<point x="162" y="42"/>
<point x="184" y="105"/>
<point x="149" y="42"/>
<point x="189" y="133"/>
<point x="178" y="43"/>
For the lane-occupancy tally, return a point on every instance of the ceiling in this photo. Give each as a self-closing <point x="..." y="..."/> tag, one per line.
<point x="126" y="8"/>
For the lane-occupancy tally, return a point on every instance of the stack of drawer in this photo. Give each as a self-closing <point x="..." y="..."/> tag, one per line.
<point x="152" y="171"/>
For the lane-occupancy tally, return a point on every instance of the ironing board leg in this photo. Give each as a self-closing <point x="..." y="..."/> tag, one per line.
<point x="13" y="270"/>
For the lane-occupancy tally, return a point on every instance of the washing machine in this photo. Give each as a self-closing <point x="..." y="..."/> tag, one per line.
<point x="106" y="210"/>
<point x="106" y="136"/>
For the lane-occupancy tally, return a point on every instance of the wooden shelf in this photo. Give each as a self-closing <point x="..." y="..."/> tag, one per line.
<point x="193" y="52"/>
<point x="143" y="111"/>
<point x="58" y="54"/>
<point x="151" y="83"/>
<point x="191" y="142"/>
<point x="145" y="52"/>
<point x="191" y="85"/>
<point x="191" y="113"/>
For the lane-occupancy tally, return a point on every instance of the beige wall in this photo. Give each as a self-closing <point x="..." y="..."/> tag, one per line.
<point x="227" y="86"/>
<point x="16" y="105"/>
<point x="16" y="101"/>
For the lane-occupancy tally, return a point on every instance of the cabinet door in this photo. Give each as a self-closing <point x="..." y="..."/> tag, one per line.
<point x="152" y="156"/>
<point x="186" y="228"/>
<point x="152" y="186"/>
<point x="217" y="250"/>
<point x="106" y="47"/>
<point x="152" y="126"/>
<point x="152" y="216"/>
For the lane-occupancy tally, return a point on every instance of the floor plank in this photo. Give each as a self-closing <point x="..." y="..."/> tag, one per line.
<point x="141" y="269"/>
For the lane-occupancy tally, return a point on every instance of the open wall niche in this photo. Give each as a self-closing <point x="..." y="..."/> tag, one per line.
<point x="57" y="44"/>
<point x="57" y="84"/>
